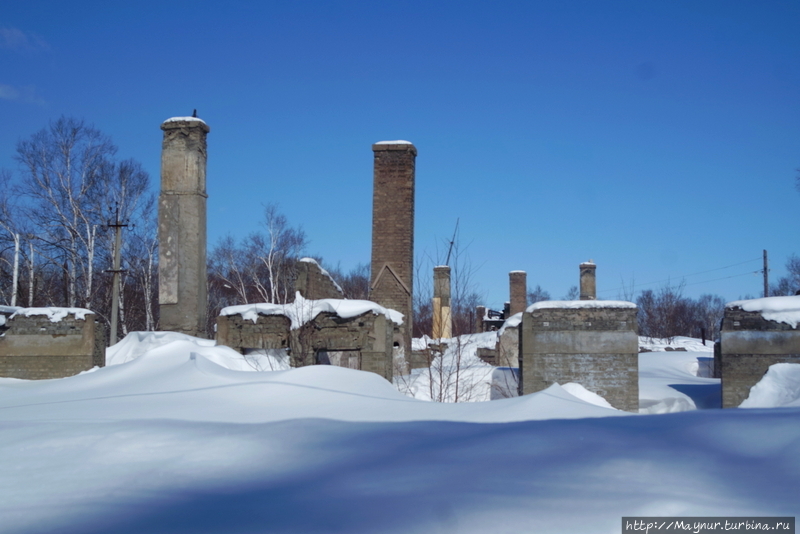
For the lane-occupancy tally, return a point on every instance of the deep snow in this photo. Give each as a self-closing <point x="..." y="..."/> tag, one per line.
<point x="172" y="442"/>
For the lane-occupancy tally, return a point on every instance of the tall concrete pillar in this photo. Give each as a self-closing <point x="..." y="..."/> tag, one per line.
<point x="518" y="290"/>
<point x="588" y="281"/>
<point x="392" y="280"/>
<point x="182" y="291"/>
<point x="442" y="320"/>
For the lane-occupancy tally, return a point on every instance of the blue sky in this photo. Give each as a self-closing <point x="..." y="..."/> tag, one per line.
<point x="660" y="139"/>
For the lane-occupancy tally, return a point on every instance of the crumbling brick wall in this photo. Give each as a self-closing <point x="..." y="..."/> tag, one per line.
<point x="315" y="283"/>
<point x="749" y="344"/>
<point x="595" y="347"/>
<point x="35" y="348"/>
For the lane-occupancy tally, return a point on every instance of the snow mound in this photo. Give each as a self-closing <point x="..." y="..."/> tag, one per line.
<point x="136" y="344"/>
<point x="779" y="387"/>
<point x="547" y="304"/>
<point x="678" y="343"/>
<point x="779" y="309"/>
<point x="56" y="315"/>
<point x="303" y="310"/>
<point x="512" y="322"/>
<point x="577" y="390"/>
<point x="142" y="344"/>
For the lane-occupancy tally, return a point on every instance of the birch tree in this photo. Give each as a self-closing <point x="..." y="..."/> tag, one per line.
<point x="65" y="167"/>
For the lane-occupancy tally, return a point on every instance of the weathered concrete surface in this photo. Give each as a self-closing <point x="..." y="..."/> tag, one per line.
<point x="749" y="344"/>
<point x="363" y="342"/>
<point x="518" y="292"/>
<point x="595" y="347"/>
<point x="392" y="277"/>
<point x="313" y="282"/>
<point x="35" y="348"/>
<point x="182" y="290"/>
<point x="508" y="347"/>
<point x="442" y="318"/>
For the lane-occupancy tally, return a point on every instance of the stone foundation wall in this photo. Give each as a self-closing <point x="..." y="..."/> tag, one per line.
<point x="749" y="344"/>
<point x="595" y="347"/>
<point x="363" y="342"/>
<point x="35" y="348"/>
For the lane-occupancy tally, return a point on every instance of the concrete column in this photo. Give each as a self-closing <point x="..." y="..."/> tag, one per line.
<point x="588" y="281"/>
<point x="480" y="313"/>
<point x="518" y="290"/>
<point x="182" y="291"/>
<point x="391" y="281"/>
<point x="442" y="320"/>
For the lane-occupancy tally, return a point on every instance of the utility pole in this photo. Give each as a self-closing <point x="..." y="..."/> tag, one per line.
<point x="766" y="275"/>
<point x="112" y="338"/>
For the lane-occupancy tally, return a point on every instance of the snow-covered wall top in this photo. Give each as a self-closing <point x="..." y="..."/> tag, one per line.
<point x="546" y="304"/>
<point x="54" y="314"/>
<point x="398" y="142"/>
<point x="9" y="309"/>
<point x="778" y="309"/>
<point x="303" y="310"/>
<point x="185" y="119"/>
<point x="512" y="322"/>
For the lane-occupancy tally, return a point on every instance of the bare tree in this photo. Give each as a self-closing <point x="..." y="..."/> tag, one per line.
<point x="260" y="268"/>
<point x="789" y="284"/>
<point x="11" y="235"/>
<point x="572" y="294"/>
<point x="537" y="294"/>
<point x="354" y="283"/>
<point x="65" y="168"/>
<point x="69" y="187"/>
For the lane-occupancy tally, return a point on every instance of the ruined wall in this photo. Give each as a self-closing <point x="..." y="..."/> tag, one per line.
<point x="366" y="338"/>
<point x="35" y="348"/>
<point x="749" y="344"/>
<point x="508" y="347"/>
<point x="392" y="280"/>
<point x="313" y="282"/>
<point x="595" y="347"/>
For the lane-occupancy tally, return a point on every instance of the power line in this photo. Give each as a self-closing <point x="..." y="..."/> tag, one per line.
<point x="621" y="288"/>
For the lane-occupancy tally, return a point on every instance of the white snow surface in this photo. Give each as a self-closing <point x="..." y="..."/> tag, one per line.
<point x="187" y="119"/>
<point x="137" y="344"/>
<point x="682" y="343"/>
<point x="584" y="394"/>
<point x="546" y="304"/>
<point x="398" y="142"/>
<point x="171" y="442"/>
<point x="512" y="322"/>
<point x="779" y="309"/>
<point x="56" y="315"/>
<point x="780" y="386"/>
<point x="304" y="310"/>
<point x="669" y="382"/>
